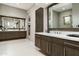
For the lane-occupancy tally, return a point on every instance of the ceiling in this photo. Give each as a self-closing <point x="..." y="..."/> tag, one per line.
<point x="62" y="7"/>
<point x="24" y="6"/>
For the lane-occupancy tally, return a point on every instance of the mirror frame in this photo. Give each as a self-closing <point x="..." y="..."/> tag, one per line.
<point x="57" y="29"/>
<point x="48" y="29"/>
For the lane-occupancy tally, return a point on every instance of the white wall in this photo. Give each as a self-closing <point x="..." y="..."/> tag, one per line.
<point x="75" y="14"/>
<point x="12" y="11"/>
<point x="55" y="19"/>
<point x="45" y="20"/>
<point x="31" y="13"/>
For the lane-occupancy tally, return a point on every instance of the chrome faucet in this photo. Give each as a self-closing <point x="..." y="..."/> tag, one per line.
<point x="2" y="28"/>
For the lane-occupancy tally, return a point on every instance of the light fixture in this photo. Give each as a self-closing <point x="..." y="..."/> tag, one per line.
<point x="8" y="23"/>
<point x="63" y="8"/>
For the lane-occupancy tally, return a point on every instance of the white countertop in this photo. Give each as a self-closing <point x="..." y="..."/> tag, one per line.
<point x="59" y="36"/>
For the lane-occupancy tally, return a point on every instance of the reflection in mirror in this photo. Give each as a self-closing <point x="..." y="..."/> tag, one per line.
<point x="67" y="20"/>
<point x="11" y="24"/>
<point x="60" y="15"/>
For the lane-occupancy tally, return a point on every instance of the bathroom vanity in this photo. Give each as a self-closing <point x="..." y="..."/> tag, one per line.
<point x="57" y="44"/>
<point x="9" y="35"/>
<point x="12" y="28"/>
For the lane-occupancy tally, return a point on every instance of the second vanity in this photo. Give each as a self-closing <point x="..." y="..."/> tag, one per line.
<point x="57" y="43"/>
<point x="9" y="35"/>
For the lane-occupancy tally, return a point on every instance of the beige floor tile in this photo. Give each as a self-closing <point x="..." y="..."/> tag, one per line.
<point x="21" y="47"/>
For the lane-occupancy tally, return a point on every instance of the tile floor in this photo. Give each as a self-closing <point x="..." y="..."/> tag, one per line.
<point x="21" y="47"/>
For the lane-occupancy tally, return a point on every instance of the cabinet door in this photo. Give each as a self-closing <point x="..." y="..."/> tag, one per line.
<point x="39" y="20"/>
<point x="57" y="50"/>
<point x="49" y="50"/>
<point x="49" y="45"/>
<point x="37" y="40"/>
<point x="57" y="47"/>
<point x="46" y="45"/>
<point x="2" y="36"/>
<point x="43" y="45"/>
<point x="71" y="49"/>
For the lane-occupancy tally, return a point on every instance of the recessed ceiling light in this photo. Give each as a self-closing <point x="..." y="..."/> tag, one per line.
<point x="63" y="8"/>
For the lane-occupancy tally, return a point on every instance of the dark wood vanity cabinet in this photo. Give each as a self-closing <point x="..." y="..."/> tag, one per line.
<point x="38" y="40"/>
<point x="50" y="45"/>
<point x="54" y="46"/>
<point x="71" y="48"/>
<point x="69" y="51"/>
<point x="46" y="45"/>
<point x="57" y="47"/>
<point x="10" y="35"/>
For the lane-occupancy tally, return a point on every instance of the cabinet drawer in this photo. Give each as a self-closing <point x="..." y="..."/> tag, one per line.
<point x="57" y="50"/>
<point x="74" y="46"/>
<point x="71" y="48"/>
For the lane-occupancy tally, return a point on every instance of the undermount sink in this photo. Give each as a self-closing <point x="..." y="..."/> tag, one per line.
<point x="73" y="35"/>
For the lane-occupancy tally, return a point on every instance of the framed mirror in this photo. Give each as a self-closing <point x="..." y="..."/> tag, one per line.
<point x="67" y="20"/>
<point x="8" y="23"/>
<point x="63" y="16"/>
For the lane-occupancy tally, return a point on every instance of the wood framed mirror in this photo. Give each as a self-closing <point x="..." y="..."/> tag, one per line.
<point x="8" y="23"/>
<point x="63" y="16"/>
